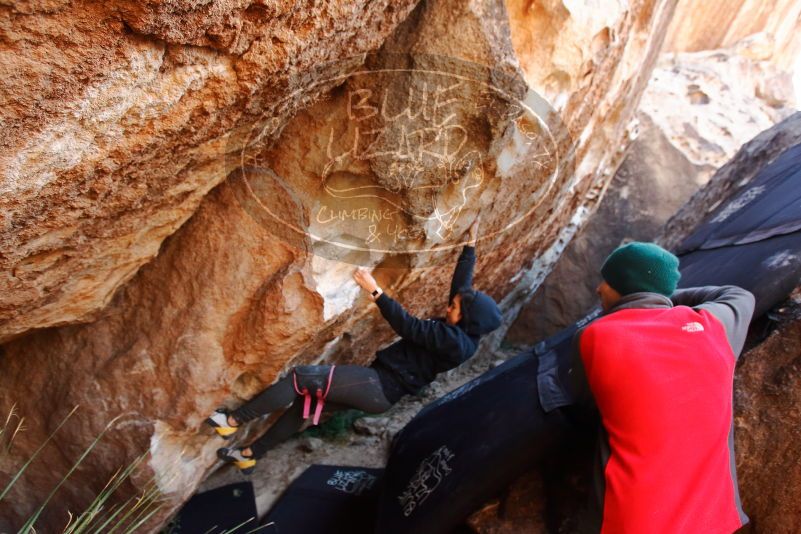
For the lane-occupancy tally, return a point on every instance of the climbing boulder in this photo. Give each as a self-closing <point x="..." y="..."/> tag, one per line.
<point x="772" y="25"/>
<point x="118" y="117"/>
<point x="189" y="114"/>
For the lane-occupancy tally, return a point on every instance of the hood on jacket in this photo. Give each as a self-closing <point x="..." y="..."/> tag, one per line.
<point x="480" y="314"/>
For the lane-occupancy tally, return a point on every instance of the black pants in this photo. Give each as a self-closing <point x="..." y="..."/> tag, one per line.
<point x="352" y="386"/>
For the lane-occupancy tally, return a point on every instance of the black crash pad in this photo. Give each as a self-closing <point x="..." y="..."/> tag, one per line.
<point x="327" y="499"/>
<point x="754" y="239"/>
<point x="219" y="510"/>
<point x="465" y="448"/>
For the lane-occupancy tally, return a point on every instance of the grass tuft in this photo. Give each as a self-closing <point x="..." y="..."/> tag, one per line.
<point x="99" y="516"/>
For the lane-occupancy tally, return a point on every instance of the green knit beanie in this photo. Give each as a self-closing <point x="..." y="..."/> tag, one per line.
<point x="642" y="267"/>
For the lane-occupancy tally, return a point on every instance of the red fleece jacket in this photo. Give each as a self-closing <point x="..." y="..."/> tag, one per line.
<point x="661" y="378"/>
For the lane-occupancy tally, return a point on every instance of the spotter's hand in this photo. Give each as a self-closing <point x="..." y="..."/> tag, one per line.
<point x="365" y="279"/>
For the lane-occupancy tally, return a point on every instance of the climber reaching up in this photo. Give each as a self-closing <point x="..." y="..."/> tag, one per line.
<point x="426" y="348"/>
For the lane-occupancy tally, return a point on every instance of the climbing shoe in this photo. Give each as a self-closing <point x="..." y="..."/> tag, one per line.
<point x="219" y="422"/>
<point x="245" y="464"/>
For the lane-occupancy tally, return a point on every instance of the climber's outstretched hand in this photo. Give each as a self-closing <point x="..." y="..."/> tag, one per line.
<point x="365" y="279"/>
<point x="473" y="234"/>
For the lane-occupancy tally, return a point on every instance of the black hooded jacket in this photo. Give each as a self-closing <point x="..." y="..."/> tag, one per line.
<point x="431" y="346"/>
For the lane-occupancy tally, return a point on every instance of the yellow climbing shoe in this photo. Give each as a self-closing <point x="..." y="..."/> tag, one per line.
<point x="219" y="422"/>
<point x="245" y="464"/>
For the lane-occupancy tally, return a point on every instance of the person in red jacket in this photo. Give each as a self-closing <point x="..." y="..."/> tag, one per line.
<point x="658" y="366"/>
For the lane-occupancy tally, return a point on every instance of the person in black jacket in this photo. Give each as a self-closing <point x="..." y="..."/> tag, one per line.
<point x="427" y="347"/>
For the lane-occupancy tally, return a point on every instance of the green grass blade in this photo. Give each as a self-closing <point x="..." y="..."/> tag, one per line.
<point x="113" y="512"/>
<point x="143" y="520"/>
<point x="242" y="524"/>
<point x="259" y="528"/>
<point x="150" y="500"/>
<point x="35" y="454"/>
<point x="151" y="493"/>
<point x="95" y="508"/>
<point x="11" y="413"/>
<point x="32" y="520"/>
<point x="10" y="443"/>
<point x="107" y="521"/>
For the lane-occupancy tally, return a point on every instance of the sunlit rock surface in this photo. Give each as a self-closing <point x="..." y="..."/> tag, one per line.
<point x="116" y="120"/>
<point x="230" y="302"/>
<point x="701" y="25"/>
<point x="731" y="178"/>
<point x="709" y="103"/>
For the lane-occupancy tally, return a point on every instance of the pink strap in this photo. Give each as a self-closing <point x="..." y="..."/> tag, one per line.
<point x="330" y="379"/>
<point x="295" y="381"/>
<point x="318" y="410"/>
<point x="304" y="393"/>
<point x="306" y="404"/>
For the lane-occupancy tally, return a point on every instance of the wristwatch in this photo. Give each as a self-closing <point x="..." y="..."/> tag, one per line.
<point x="376" y="293"/>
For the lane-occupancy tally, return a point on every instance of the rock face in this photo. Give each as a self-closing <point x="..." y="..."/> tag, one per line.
<point x="768" y="427"/>
<point x="700" y="25"/>
<point x="517" y="511"/>
<point x="698" y="110"/>
<point x="116" y="121"/>
<point x="718" y="100"/>
<point x="231" y="301"/>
